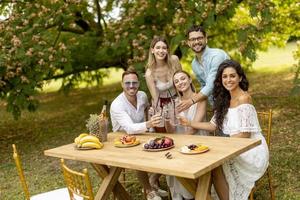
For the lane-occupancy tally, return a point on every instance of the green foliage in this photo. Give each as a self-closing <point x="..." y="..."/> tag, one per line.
<point x="44" y="40"/>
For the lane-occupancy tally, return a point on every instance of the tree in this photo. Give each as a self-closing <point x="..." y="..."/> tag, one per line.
<point x="73" y="39"/>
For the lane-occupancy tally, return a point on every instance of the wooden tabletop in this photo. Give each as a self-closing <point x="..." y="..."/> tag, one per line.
<point x="181" y="165"/>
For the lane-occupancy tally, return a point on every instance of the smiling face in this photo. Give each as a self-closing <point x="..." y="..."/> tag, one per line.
<point x="130" y="85"/>
<point x="182" y="82"/>
<point x="160" y="50"/>
<point x="197" y="41"/>
<point x="230" y="79"/>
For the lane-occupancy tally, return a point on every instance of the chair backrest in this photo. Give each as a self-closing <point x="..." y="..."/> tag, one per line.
<point x="265" y="121"/>
<point x="20" y="172"/>
<point x="77" y="183"/>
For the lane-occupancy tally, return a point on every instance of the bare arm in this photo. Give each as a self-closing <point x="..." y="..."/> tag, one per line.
<point x="203" y="126"/>
<point x="185" y="104"/>
<point x="151" y="84"/>
<point x="208" y="126"/>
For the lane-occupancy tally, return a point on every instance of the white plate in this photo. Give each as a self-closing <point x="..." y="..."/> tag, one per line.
<point x="183" y="150"/>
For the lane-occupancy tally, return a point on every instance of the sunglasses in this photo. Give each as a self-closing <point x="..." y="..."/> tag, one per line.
<point x="131" y="84"/>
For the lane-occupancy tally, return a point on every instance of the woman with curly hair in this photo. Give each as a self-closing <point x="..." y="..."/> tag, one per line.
<point x="235" y="116"/>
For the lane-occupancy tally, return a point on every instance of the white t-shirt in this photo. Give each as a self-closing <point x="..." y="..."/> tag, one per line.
<point x="125" y="117"/>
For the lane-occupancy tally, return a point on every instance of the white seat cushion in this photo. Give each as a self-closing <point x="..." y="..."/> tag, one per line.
<point x="59" y="194"/>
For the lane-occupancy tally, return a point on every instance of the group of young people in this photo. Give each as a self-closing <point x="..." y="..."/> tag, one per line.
<point x="223" y="85"/>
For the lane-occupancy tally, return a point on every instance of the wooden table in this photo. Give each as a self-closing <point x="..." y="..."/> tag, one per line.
<point x="193" y="171"/>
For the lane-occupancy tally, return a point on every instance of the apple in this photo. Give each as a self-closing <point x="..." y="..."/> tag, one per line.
<point x="168" y="141"/>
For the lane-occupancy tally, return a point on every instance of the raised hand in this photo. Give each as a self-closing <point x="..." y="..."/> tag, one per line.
<point x="184" y="121"/>
<point x="155" y="120"/>
<point x="184" y="105"/>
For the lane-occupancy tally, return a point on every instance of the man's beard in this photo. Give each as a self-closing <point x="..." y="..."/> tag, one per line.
<point x="201" y="50"/>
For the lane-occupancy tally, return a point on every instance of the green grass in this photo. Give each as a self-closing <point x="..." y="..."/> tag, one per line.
<point x="60" y="119"/>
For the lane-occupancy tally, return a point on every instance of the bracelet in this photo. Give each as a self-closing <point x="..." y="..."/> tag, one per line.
<point x="193" y="101"/>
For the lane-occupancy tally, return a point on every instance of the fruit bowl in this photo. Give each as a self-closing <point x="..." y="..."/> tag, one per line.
<point x="126" y="141"/>
<point x="159" y="144"/>
<point x="194" y="149"/>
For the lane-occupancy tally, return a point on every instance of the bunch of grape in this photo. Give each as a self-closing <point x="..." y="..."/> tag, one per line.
<point x="159" y="143"/>
<point x="192" y="146"/>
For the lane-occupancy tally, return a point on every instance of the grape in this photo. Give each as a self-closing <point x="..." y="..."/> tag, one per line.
<point x="192" y="147"/>
<point x="146" y="146"/>
<point x="151" y="143"/>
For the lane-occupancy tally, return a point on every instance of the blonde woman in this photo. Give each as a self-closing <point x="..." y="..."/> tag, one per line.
<point x="159" y="71"/>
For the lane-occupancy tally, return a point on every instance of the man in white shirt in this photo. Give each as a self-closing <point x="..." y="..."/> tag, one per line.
<point x="127" y="113"/>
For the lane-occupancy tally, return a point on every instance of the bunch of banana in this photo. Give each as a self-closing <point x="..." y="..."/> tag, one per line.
<point x="88" y="141"/>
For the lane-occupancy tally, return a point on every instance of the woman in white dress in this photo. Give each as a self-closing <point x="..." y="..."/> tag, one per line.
<point x="183" y="85"/>
<point x="159" y="71"/>
<point x="235" y="115"/>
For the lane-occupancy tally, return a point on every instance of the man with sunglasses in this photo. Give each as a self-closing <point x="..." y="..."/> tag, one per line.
<point x="127" y="114"/>
<point x="205" y="65"/>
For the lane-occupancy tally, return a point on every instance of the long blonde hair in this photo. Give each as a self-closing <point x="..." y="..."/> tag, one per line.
<point x="151" y="63"/>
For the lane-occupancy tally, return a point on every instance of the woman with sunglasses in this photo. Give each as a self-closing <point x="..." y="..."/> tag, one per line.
<point x="159" y="70"/>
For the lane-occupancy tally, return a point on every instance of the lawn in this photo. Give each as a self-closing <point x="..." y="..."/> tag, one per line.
<point x="60" y="119"/>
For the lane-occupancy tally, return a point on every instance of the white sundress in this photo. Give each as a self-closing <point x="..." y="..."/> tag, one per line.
<point x="242" y="171"/>
<point x="178" y="191"/>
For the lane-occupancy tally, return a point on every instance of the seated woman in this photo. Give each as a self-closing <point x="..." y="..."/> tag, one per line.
<point x="184" y="87"/>
<point x="235" y="115"/>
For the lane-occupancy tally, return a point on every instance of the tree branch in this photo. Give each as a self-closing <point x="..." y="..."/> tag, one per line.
<point x="58" y="35"/>
<point x="120" y="63"/>
<point x="99" y="14"/>
<point x="72" y="30"/>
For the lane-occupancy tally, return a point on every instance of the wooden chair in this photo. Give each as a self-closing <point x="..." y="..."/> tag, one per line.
<point x="78" y="184"/>
<point x="54" y="194"/>
<point x="265" y="120"/>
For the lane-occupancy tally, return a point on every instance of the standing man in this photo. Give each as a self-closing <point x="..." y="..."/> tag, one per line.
<point x="205" y="65"/>
<point x="127" y="114"/>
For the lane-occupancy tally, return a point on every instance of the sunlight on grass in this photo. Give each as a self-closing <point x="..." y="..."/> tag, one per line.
<point x="276" y="57"/>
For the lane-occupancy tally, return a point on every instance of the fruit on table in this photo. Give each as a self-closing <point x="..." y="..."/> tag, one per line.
<point x="127" y="139"/>
<point x="194" y="147"/>
<point x="159" y="143"/>
<point x="88" y="141"/>
<point x="79" y="137"/>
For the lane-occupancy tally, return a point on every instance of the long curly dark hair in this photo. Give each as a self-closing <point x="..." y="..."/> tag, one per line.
<point x="221" y="96"/>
